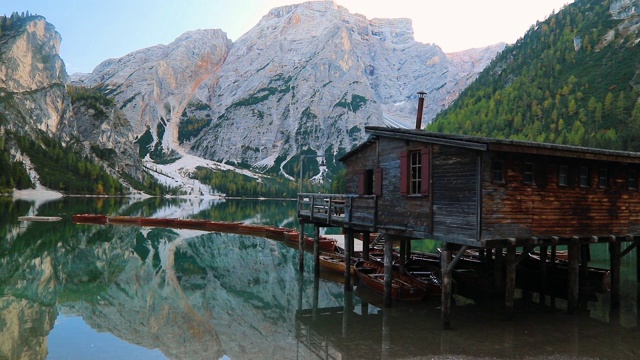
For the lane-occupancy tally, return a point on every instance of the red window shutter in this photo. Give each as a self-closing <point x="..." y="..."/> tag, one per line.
<point x="361" y="183"/>
<point x="426" y="171"/>
<point x="378" y="189"/>
<point x="404" y="179"/>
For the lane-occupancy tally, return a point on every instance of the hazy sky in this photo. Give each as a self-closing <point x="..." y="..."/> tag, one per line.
<point x="95" y="30"/>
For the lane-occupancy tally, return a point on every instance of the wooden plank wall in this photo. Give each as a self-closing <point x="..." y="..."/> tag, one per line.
<point x="515" y="209"/>
<point x="455" y="192"/>
<point x="394" y="210"/>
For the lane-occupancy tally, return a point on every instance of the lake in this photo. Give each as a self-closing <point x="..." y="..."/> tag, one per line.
<point x="76" y="291"/>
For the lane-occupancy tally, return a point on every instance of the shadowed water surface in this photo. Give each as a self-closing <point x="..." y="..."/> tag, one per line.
<point x="70" y="291"/>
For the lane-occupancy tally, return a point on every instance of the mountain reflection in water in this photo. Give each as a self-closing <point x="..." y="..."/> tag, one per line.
<point x="188" y="294"/>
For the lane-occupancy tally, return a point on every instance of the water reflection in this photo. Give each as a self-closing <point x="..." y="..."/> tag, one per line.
<point x="192" y="294"/>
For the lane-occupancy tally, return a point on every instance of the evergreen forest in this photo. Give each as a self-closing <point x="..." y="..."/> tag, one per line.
<point x="570" y="80"/>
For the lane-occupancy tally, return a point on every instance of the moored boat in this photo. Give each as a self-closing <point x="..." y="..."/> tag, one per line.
<point x="160" y="222"/>
<point x="334" y="263"/>
<point x="193" y="224"/>
<point x="89" y="219"/>
<point x="124" y="220"/>
<point x="403" y="287"/>
<point x="326" y="244"/>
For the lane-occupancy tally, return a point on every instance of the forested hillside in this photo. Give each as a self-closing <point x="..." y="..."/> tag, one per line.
<point x="571" y="80"/>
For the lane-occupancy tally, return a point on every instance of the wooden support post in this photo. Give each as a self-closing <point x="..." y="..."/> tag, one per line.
<point x="543" y="274"/>
<point x="403" y="254"/>
<point x="347" y="309"/>
<point x="388" y="270"/>
<point x="316" y="251"/>
<point x="498" y="269"/>
<point x="386" y="352"/>
<point x="301" y="248"/>
<point x="574" y="272"/>
<point x="585" y="257"/>
<point x="316" y="298"/>
<point x="447" y="281"/>
<point x="366" y="241"/>
<point x="638" y="268"/>
<point x="614" y="255"/>
<point x="552" y="270"/>
<point x="510" y="280"/>
<point x="348" y="254"/>
<point x="300" y="282"/>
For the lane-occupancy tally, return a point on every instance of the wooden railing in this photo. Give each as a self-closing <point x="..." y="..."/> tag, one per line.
<point x="358" y="211"/>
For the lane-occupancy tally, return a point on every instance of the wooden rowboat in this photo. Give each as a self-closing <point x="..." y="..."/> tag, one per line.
<point x="326" y="244"/>
<point x="403" y="287"/>
<point x="334" y="263"/>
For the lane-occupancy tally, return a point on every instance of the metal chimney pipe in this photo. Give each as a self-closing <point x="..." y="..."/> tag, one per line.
<point x="421" y="95"/>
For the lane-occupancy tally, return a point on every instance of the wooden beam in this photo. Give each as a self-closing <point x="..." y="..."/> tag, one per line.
<point x="574" y="268"/>
<point x="614" y="257"/>
<point x="301" y="248"/>
<point x="316" y="251"/>
<point x="510" y="281"/>
<point x="388" y="270"/>
<point x="366" y="242"/>
<point x="348" y="244"/>
<point x="459" y="254"/>
<point x="629" y="248"/>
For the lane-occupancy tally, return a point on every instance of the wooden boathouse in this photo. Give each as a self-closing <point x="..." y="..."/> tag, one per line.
<point x="504" y="198"/>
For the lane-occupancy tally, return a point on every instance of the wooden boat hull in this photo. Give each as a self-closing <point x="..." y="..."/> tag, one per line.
<point x="403" y="287"/>
<point x="134" y="220"/>
<point x="326" y="244"/>
<point x="334" y="263"/>
<point x="89" y="219"/>
<point x="159" y="222"/>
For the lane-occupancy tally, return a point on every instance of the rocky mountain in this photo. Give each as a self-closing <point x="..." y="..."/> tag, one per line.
<point x="304" y="80"/>
<point x="32" y="78"/>
<point x="307" y="77"/>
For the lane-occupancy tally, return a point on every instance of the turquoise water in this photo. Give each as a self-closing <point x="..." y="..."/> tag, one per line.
<point x="71" y="291"/>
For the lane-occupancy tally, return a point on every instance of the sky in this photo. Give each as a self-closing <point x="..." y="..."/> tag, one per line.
<point x="96" y="30"/>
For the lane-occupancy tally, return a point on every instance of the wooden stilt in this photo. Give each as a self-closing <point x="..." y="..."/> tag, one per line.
<point x="300" y="282"/>
<point x="366" y="241"/>
<point x="543" y="274"/>
<point x="316" y="251"/>
<point x="316" y="297"/>
<point x="348" y="254"/>
<point x="552" y="270"/>
<point x="347" y="309"/>
<point x="499" y="269"/>
<point x="447" y="281"/>
<point x="388" y="270"/>
<point x="614" y="255"/>
<point x="510" y="281"/>
<point x="638" y="268"/>
<point x="585" y="257"/>
<point x="574" y="271"/>
<point x="386" y="351"/>
<point x="301" y="248"/>
<point x="403" y="254"/>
